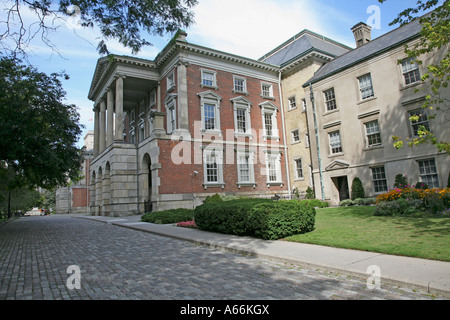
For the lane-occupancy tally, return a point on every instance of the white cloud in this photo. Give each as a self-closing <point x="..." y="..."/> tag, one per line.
<point x="251" y="28"/>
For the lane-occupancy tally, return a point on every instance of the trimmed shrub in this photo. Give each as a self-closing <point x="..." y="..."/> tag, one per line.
<point x="229" y="217"/>
<point x="400" y="181"/>
<point x="357" y="189"/>
<point x="276" y="220"/>
<point x="315" y="203"/>
<point x="169" y="216"/>
<point x="346" y="203"/>
<point x="398" y="207"/>
<point x="214" y="198"/>
<point x="309" y="193"/>
<point x="262" y="218"/>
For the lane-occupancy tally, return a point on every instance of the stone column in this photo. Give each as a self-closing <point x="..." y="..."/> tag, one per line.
<point x="96" y="131"/>
<point x="182" y="107"/>
<point x="110" y="116"/>
<point x="119" y="108"/>
<point x="102" y="134"/>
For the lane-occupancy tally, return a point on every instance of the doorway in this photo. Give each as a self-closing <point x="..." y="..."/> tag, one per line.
<point x="341" y="184"/>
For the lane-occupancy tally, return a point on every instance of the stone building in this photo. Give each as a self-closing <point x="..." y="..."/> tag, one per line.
<point x="75" y="198"/>
<point x="362" y="99"/>
<point x="311" y="113"/>
<point x="191" y="123"/>
<point x="299" y="58"/>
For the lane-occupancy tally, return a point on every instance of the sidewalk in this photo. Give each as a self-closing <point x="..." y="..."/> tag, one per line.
<point x="430" y="275"/>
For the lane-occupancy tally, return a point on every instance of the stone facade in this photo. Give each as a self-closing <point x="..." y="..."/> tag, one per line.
<point x="196" y="121"/>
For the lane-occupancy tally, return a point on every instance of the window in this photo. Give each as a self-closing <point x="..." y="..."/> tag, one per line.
<point x="266" y="90"/>
<point x="212" y="167"/>
<point x="330" y="99"/>
<point x="269" y="120"/>
<point x="152" y="98"/>
<point x="242" y="125"/>
<point x="373" y="135"/>
<point x="208" y="78"/>
<point x="295" y="136"/>
<point x="171" y="81"/>
<point x="335" y="142"/>
<point x="171" y="111"/>
<point x="379" y="180"/>
<point x="298" y="168"/>
<point x="421" y="119"/>
<point x="292" y="103"/>
<point x="303" y="105"/>
<point x="273" y="168"/>
<point x="132" y="137"/>
<point x="210" y="108"/>
<point x="411" y="71"/>
<point x="428" y="173"/>
<point x="307" y="140"/>
<point x="141" y="130"/>
<point x="246" y="173"/>
<point x="240" y="84"/>
<point x="365" y="86"/>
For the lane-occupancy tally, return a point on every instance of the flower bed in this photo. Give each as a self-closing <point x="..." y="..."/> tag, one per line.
<point x="400" y="201"/>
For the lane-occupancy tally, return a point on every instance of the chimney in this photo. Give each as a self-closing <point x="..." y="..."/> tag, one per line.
<point x="362" y="33"/>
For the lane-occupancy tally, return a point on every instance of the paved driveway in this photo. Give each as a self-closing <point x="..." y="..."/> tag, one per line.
<point x="62" y="257"/>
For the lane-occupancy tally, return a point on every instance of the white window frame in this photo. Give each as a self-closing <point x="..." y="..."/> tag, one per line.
<point x="292" y="102"/>
<point x="331" y="142"/>
<point x="423" y="120"/>
<point x="304" y="105"/>
<point x="171" y="80"/>
<point x="295" y="137"/>
<point x="372" y="133"/>
<point x="132" y="137"/>
<point x="244" y="85"/>
<point x="241" y="103"/>
<point x="366" y="85"/>
<point x="171" y="113"/>
<point x="214" y="79"/>
<point x="276" y="157"/>
<point x="268" y="94"/>
<point x="250" y="155"/>
<point x="213" y="99"/>
<point x="330" y="100"/>
<point x="428" y="169"/>
<point x="272" y="110"/>
<point x="150" y="118"/>
<point x="410" y="71"/>
<point x="377" y="178"/>
<point x="217" y="152"/>
<point x="141" y="133"/>
<point x="297" y="176"/>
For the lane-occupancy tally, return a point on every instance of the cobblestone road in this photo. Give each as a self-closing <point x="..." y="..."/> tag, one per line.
<point x="120" y="263"/>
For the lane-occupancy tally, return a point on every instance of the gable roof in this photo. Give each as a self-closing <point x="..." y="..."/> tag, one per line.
<point x="302" y="44"/>
<point x="371" y="49"/>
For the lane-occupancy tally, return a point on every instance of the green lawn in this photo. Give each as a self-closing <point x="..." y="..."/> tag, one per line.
<point x="357" y="228"/>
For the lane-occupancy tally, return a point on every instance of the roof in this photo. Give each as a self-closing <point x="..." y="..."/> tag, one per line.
<point x="371" y="49"/>
<point x="301" y="44"/>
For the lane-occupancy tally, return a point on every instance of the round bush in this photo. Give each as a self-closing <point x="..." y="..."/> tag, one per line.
<point x="281" y="219"/>
<point x="169" y="216"/>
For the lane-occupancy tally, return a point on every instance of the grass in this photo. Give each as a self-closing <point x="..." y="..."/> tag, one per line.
<point x="357" y="228"/>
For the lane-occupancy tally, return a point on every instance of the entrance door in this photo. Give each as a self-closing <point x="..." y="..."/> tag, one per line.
<point x="342" y="185"/>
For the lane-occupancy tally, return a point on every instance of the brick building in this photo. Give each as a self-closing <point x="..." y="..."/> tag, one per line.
<point x="196" y="121"/>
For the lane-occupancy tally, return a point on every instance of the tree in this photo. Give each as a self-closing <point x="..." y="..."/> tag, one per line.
<point x="357" y="189"/>
<point x="435" y="35"/>
<point x="38" y="131"/>
<point x="123" y="20"/>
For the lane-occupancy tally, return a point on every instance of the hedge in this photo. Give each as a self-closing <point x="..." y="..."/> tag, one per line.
<point x="169" y="216"/>
<point x="261" y="218"/>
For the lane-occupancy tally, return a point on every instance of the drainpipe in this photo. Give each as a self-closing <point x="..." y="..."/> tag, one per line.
<point x="317" y="140"/>
<point x="284" y="136"/>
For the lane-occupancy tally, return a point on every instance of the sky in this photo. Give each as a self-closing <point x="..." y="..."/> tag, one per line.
<point x="248" y="28"/>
